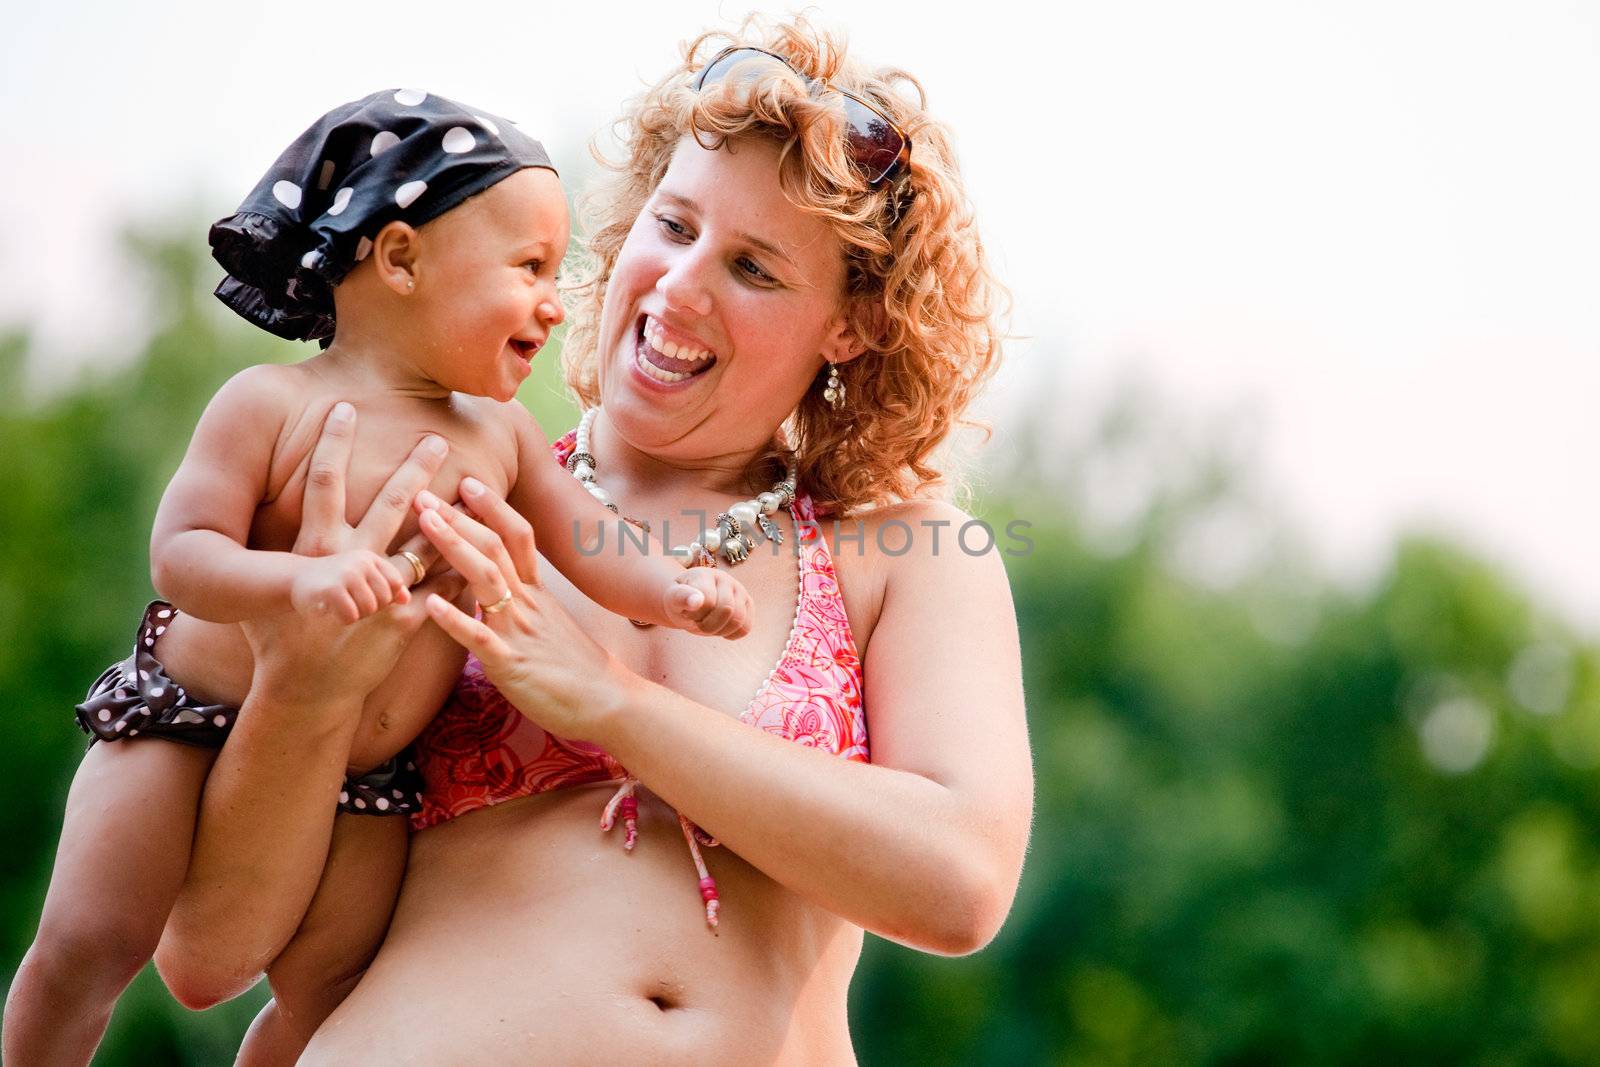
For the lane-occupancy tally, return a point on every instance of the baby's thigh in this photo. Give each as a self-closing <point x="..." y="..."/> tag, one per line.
<point x="346" y="921"/>
<point x="406" y="701"/>
<point x="125" y="843"/>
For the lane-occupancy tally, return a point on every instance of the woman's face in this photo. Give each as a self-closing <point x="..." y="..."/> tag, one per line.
<point x="722" y="306"/>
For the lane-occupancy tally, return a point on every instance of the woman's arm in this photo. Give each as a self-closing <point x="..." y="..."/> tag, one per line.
<point x="267" y="812"/>
<point x="925" y="845"/>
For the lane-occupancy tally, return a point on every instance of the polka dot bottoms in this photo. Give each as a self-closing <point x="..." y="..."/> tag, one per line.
<point x="136" y="698"/>
<point x="399" y="154"/>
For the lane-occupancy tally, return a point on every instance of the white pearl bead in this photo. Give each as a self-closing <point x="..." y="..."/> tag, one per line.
<point x="745" y="512"/>
<point x="597" y="492"/>
<point x="582" y="470"/>
<point x="768" y="503"/>
<point x="712" y="539"/>
<point x="685" y="555"/>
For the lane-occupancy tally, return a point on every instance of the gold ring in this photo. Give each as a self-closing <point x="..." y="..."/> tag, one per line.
<point x="498" y="605"/>
<point x="418" y="571"/>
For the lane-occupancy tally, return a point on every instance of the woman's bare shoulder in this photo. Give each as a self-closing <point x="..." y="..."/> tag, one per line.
<point x="899" y="548"/>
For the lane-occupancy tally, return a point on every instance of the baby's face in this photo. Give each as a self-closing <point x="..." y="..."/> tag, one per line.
<point x="486" y="296"/>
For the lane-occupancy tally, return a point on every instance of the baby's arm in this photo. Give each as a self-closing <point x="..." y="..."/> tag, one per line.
<point x="650" y="586"/>
<point x="198" y="558"/>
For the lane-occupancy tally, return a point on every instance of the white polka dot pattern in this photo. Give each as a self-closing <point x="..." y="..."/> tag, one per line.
<point x="396" y="153"/>
<point x="287" y="194"/>
<point x="135" y="697"/>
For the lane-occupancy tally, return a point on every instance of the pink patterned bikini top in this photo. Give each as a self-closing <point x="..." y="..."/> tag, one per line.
<point x="480" y="751"/>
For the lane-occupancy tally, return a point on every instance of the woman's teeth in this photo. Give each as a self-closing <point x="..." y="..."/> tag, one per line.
<point x="653" y="371"/>
<point x="666" y="360"/>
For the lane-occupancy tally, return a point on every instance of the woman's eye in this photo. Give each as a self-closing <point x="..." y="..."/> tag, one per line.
<point x="751" y="269"/>
<point x="673" y="226"/>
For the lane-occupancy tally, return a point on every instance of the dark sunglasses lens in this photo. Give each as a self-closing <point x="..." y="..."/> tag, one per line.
<point x="719" y="68"/>
<point x="875" y="144"/>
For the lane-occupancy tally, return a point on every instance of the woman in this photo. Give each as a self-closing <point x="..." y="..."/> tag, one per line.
<point x="773" y="256"/>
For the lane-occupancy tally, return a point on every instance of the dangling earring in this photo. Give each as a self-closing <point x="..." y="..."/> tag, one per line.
<point x="833" y="390"/>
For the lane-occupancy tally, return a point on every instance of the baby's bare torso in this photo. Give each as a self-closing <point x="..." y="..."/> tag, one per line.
<point x="483" y="443"/>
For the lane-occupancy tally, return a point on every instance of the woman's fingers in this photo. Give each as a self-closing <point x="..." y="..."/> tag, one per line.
<point x="467" y="632"/>
<point x="393" y="502"/>
<point x="322" y="512"/>
<point x="449" y="585"/>
<point x="419" y="546"/>
<point x="479" y="536"/>
<point x="515" y="532"/>
<point x="424" y="554"/>
<point x="486" y="578"/>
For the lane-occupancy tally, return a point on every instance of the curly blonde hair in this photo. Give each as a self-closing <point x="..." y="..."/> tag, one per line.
<point x="921" y="296"/>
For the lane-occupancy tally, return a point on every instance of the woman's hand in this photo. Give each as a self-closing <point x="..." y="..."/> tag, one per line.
<point x="317" y="657"/>
<point x="530" y="647"/>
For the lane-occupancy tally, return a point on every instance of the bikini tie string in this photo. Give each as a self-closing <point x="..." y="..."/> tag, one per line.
<point x="624" y="802"/>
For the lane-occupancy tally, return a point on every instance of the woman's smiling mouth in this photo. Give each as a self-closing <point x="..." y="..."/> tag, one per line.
<point x="667" y="356"/>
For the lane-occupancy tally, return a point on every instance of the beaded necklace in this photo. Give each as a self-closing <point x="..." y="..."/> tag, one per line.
<point x="732" y="535"/>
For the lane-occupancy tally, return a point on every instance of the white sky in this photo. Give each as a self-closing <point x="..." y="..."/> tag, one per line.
<point x="1375" y="225"/>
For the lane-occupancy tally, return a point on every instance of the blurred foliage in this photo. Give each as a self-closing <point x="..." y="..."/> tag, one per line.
<point x="1278" y="821"/>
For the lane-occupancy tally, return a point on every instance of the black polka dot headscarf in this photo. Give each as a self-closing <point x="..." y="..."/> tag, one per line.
<point x="397" y="154"/>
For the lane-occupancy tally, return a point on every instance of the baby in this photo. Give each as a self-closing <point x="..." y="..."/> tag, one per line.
<point x="418" y="241"/>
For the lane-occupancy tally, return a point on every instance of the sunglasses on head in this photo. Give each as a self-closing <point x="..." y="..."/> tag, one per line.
<point x="879" y="148"/>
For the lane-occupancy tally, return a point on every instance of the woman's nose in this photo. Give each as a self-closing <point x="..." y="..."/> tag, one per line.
<point x="683" y="284"/>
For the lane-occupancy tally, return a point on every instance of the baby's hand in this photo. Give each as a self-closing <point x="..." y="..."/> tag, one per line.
<point x="720" y="605"/>
<point x="347" y="585"/>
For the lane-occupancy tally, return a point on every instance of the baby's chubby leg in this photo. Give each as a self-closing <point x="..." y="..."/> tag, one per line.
<point x="123" y="854"/>
<point x="336" y="941"/>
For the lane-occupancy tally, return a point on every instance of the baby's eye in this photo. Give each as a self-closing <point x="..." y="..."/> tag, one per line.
<point x="535" y="265"/>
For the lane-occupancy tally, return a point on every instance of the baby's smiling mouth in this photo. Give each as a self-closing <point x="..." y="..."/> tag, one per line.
<point x="526" y="349"/>
<point x="667" y="359"/>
